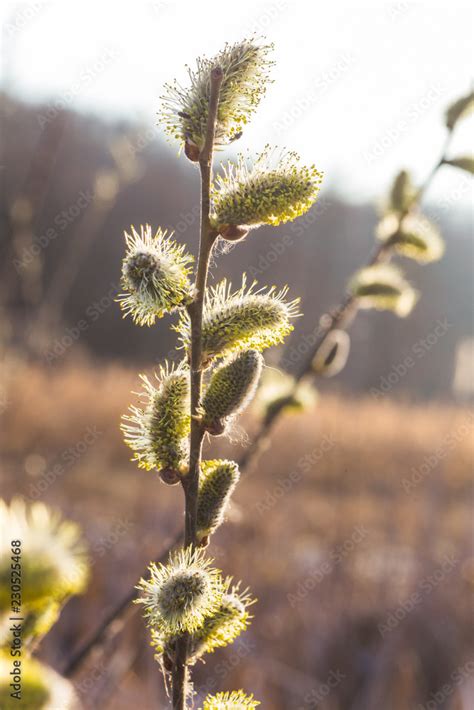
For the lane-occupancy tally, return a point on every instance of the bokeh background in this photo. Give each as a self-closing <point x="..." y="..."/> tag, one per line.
<point x="354" y="526"/>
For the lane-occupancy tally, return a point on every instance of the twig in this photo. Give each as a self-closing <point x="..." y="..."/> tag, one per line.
<point x="207" y="239"/>
<point x="191" y="480"/>
<point x="95" y="639"/>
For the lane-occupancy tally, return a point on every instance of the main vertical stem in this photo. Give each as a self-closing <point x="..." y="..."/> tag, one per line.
<point x="207" y="239"/>
<point x="191" y="480"/>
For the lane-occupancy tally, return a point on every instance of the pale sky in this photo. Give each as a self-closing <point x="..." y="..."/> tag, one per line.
<point x="359" y="88"/>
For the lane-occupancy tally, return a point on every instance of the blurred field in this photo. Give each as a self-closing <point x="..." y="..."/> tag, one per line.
<point x="354" y="532"/>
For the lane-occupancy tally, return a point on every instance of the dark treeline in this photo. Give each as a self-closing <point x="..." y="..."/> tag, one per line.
<point x="71" y="184"/>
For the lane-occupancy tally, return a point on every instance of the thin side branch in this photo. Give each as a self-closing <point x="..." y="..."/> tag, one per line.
<point x="98" y="635"/>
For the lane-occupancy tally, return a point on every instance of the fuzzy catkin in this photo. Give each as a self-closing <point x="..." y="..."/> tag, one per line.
<point x="225" y="624"/>
<point x="241" y="320"/>
<point x="178" y="596"/>
<point x="36" y="692"/>
<point x="383" y="287"/>
<point x="234" y="700"/>
<point x="250" y="195"/>
<point x="231" y="388"/>
<point x="217" y="482"/>
<point x="157" y="433"/>
<point x="155" y="276"/>
<point x="461" y="108"/>
<point x="245" y="74"/>
<point x="402" y="193"/>
<point x="54" y="558"/>
<point x="415" y="237"/>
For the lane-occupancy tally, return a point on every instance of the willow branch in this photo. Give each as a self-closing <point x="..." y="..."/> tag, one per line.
<point x="191" y="480"/>
<point x="341" y="318"/>
<point x="207" y="239"/>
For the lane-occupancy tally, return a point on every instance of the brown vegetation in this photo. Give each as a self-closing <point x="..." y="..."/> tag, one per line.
<point x="363" y="569"/>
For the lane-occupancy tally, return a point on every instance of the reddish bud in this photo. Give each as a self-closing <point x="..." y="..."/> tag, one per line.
<point x="191" y="150"/>
<point x="216" y="427"/>
<point x="233" y="232"/>
<point x="170" y="476"/>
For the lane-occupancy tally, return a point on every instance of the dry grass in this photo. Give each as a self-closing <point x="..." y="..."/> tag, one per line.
<point x="349" y="514"/>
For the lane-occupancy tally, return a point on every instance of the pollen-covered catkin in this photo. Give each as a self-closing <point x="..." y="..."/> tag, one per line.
<point x="233" y="700"/>
<point x="157" y="433"/>
<point x="225" y="624"/>
<point x="155" y="276"/>
<point x="245" y="68"/>
<point x="248" y="195"/>
<point x="178" y="596"/>
<point x="241" y="320"/>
